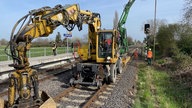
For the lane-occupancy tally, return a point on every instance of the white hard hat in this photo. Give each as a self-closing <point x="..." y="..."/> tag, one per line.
<point x="150" y="49"/>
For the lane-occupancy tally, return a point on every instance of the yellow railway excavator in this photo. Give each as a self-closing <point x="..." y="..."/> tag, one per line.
<point x="100" y="57"/>
<point x="100" y="63"/>
<point x="23" y="91"/>
<point x="105" y="53"/>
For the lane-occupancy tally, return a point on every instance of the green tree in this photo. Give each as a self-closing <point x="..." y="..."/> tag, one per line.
<point x="65" y="41"/>
<point x="130" y="40"/>
<point x="159" y="23"/>
<point x="188" y="12"/>
<point x="41" y="42"/>
<point x="166" y="41"/>
<point x="149" y="40"/>
<point x="3" y="42"/>
<point x="184" y="41"/>
<point x="115" y="20"/>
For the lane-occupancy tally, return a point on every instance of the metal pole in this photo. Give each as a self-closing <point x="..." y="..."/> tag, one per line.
<point x="67" y="44"/>
<point x="29" y="54"/>
<point x="8" y="53"/>
<point x="45" y="52"/>
<point x="154" y="30"/>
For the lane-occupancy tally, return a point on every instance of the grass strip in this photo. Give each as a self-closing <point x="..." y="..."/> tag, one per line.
<point x="155" y="89"/>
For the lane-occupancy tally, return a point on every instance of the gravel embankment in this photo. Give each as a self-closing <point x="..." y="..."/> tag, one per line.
<point x="56" y="84"/>
<point x="122" y="95"/>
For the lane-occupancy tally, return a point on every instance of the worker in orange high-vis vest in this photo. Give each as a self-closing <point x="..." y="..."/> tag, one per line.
<point x="136" y="54"/>
<point x="149" y="56"/>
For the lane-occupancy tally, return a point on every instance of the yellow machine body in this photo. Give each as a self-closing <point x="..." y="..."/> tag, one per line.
<point x="41" y="23"/>
<point x="48" y="102"/>
<point x="90" y="52"/>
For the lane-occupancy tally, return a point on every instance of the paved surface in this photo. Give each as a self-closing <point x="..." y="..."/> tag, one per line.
<point x="4" y="65"/>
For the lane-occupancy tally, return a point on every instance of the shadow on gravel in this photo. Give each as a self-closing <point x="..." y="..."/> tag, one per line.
<point x="134" y="62"/>
<point x="64" y="78"/>
<point x="3" y="88"/>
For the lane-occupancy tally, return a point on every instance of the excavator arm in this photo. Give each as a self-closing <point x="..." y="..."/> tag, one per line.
<point x="122" y="30"/>
<point x="41" y="23"/>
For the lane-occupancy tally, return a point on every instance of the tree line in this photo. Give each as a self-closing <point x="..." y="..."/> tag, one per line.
<point x="174" y="40"/>
<point x="46" y="42"/>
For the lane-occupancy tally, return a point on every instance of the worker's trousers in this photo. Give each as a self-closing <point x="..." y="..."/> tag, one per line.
<point x="149" y="60"/>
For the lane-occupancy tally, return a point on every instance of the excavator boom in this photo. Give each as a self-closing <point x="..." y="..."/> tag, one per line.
<point x="122" y="30"/>
<point x="125" y="13"/>
<point x="40" y="23"/>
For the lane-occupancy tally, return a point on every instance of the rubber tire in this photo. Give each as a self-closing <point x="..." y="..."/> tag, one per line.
<point x="113" y="72"/>
<point x="71" y="82"/>
<point x="107" y="80"/>
<point x="119" y="67"/>
<point x="99" y="84"/>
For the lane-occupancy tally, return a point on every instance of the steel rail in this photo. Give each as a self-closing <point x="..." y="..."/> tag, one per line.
<point x="95" y="96"/>
<point x="44" y="78"/>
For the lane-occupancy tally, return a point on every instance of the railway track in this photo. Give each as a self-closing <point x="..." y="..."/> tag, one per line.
<point x="38" y="67"/>
<point x="84" y="97"/>
<point x="78" y="97"/>
<point x="45" y="74"/>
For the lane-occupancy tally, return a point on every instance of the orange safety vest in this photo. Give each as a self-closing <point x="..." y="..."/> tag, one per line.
<point x="135" y="54"/>
<point x="149" y="54"/>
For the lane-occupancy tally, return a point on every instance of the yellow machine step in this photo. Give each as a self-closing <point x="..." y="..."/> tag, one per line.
<point x="125" y="60"/>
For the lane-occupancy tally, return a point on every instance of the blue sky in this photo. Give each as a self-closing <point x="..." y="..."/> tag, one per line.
<point x="141" y="11"/>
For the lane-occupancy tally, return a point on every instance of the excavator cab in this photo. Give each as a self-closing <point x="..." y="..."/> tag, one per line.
<point x="107" y="46"/>
<point x="103" y="63"/>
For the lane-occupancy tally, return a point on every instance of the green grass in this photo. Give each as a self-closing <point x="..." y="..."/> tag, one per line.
<point x="35" y="52"/>
<point x="156" y="90"/>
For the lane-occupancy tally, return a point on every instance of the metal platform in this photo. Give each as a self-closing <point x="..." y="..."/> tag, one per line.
<point x="36" y="61"/>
